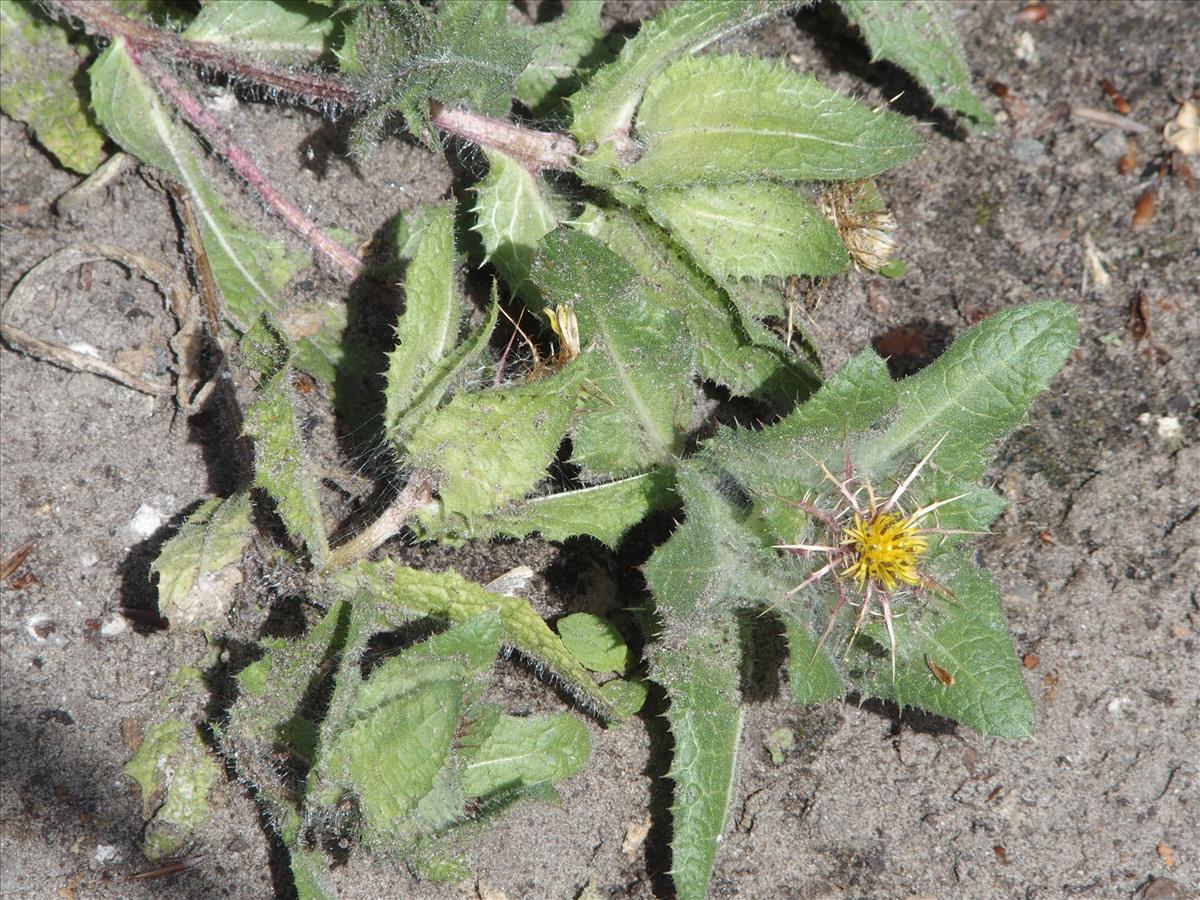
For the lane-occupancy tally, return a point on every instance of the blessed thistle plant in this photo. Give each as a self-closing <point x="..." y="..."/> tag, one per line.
<point x="689" y="188"/>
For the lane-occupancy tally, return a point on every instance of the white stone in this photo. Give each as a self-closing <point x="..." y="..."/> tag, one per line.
<point x="107" y="853"/>
<point x="145" y="522"/>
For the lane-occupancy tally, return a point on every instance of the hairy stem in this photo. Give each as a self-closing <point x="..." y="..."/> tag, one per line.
<point x="217" y="137"/>
<point x="535" y="150"/>
<point x="99" y="18"/>
<point x="416" y="494"/>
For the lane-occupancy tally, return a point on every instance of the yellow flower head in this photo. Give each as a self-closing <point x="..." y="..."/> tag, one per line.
<point x="887" y="547"/>
<point x="873" y="542"/>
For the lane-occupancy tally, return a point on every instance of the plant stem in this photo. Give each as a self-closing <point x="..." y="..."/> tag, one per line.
<point x="535" y="150"/>
<point x="416" y="494"/>
<point x="99" y="18"/>
<point x="217" y="137"/>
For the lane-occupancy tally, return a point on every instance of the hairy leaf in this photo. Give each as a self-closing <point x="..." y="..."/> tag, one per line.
<point x="594" y="641"/>
<point x="750" y="230"/>
<point x="980" y="388"/>
<point x="409" y="593"/>
<point x="400" y="55"/>
<point x="200" y="566"/>
<point x="562" y="49"/>
<point x="391" y="758"/>
<point x="701" y="679"/>
<point x="249" y="269"/>
<point x="513" y="213"/>
<point x="606" y="105"/>
<point x="280" y="464"/>
<point x="175" y="773"/>
<point x="636" y="354"/>
<point x="38" y="86"/>
<point x="491" y="447"/>
<point x="721" y="119"/>
<point x="965" y="637"/>
<point x="731" y="349"/>
<point x="285" y="30"/>
<point x="605" y="511"/>
<point x="267" y="713"/>
<point x="919" y="36"/>
<point x="428" y="330"/>
<point x="514" y="753"/>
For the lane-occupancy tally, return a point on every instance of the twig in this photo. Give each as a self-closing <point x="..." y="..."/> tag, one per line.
<point x="535" y="150"/>
<point x="1109" y="119"/>
<point x="219" y="139"/>
<point x="415" y="495"/>
<point x="76" y="361"/>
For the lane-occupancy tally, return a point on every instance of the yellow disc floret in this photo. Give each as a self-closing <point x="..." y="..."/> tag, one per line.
<point x="887" y="548"/>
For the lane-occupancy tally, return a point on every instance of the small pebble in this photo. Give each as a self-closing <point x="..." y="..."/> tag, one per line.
<point x="1029" y="153"/>
<point x="1111" y="145"/>
<point x="145" y="522"/>
<point x="40" y="628"/>
<point x="117" y="625"/>
<point x="107" y="853"/>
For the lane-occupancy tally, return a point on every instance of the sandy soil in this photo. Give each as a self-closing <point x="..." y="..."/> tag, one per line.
<point x="1096" y="555"/>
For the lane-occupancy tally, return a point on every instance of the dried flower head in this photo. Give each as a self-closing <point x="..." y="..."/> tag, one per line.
<point x="565" y="327"/>
<point x="874" y="544"/>
<point x="867" y="227"/>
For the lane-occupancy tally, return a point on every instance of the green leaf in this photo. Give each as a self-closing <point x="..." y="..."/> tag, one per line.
<point x="464" y="653"/>
<point x="175" y="773"/>
<point x="731" y="348"/>
<point x="280" y="464"/>
<point x="270" y="690"/>
<point x="410" y="593"/>
<point x="980" y="388"/>
<point x="391" y="758"/>
<point x="716" y="560"/>
<point x="812" y="676"/>
<point x="491" y="447"/>
<point x="283" y="30"/>
<point x="201" y="565"/>
<point x="920" y="37"/>
<point x="562" y="49"/>
<point x="400" y="55"/>
<point x="428" y="330"/>
<point x="513" y="213"/>
<point x="595" y="642"/>
<point x="39" y="86"/>
<point x="750" y="230"/>
<point x="605" y="511"/>
<point x="636" y="354"/>
<point x="701" y="680"/>
<point x="513" y="753"/>
<point x="605" y="106"/>
<point x="249" y="269"/>
<point x="308" y="870"/>
<point x="627" y="696"/>
<point x="722" y="119"/>
<point x="967" y="638"/>
<point x="449" y="374"/>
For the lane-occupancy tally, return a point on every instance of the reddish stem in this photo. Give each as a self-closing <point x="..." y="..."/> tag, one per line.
<point x="217" y="137"/>
<point x="101" y="19"/>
